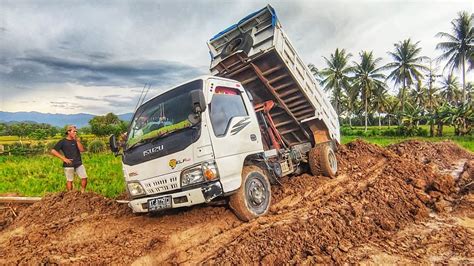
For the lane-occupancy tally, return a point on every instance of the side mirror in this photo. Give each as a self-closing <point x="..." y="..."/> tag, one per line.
<point x="198" y="102"/>
<point x="113" y="144"/>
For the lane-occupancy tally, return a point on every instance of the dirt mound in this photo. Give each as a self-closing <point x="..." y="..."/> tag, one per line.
<point x="62" y="207"/>
<point x="359" y="155"/>
<point x="379" y="197"/>
<point x="466" y="179"/>
<point x="9" y="212"/>
<point x="443" y="154"/>
<point x="381" y="194"/>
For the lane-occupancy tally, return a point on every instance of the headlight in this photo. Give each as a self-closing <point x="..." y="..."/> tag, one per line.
<point x="135" y="189"/>
<point x="206" y="171"/>
<point x="191" y="176"/>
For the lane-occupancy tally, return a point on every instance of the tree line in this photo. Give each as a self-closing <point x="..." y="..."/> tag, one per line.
<point x="360" y="88"/>
<point x="99" y="125"/>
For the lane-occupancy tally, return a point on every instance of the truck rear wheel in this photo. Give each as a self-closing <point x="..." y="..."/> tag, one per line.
<point x="322" y="161"/>
<point x="254" y="195"/>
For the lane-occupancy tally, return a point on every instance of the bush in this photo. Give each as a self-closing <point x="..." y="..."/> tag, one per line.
<point x="411" y="131"/>
<point x="50" y="145"/>
<point x="24" y="149"/>
<point x="390" y="133"/>
<point x="422" y="132"/>
<point x="97" y="146"/>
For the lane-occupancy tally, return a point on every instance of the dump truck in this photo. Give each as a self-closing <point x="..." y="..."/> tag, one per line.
<point x="231" y="135"/>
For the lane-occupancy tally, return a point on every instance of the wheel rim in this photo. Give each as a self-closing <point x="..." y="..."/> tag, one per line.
<point x="332" y="161"/>
<point x="256" y="193"/>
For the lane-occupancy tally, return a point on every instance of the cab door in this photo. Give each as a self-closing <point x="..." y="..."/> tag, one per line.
<point x="233" y="129"/>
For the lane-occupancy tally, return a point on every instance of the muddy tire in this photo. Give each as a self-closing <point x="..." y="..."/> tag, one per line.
<point x="322" y="161"/>
<point x="254" y="195"/>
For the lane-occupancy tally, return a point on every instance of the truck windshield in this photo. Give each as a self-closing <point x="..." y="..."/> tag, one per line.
<point x="163" y="115"/>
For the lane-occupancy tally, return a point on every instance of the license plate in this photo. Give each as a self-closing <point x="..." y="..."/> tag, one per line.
<point x="160" y="203"/>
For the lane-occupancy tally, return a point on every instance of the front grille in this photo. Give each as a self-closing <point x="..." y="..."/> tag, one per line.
<point x="161" y="184"/>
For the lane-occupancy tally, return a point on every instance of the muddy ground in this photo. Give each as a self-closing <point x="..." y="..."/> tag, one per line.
<point x="412" y="202"/>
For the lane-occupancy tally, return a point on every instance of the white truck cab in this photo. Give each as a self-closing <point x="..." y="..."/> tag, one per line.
<point x="188" y="145"/>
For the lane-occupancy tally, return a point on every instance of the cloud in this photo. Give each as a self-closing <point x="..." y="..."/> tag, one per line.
<point x="112" y="100"/>
<point x="50" y="69"/>
<point x="93" y="50"/>
<point x="65" y="104"/>
<point x="88" y="98"/>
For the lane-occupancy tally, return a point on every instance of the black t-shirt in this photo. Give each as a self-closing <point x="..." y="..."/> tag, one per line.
<point x="70" y="151"/>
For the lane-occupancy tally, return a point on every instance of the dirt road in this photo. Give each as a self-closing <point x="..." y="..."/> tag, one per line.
<point x="411" y="202"/>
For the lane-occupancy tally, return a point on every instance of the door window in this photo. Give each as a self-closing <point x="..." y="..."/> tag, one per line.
<point x="226" y="103"/>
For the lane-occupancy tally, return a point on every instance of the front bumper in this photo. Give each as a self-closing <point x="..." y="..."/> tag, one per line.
<point x="198" y="195"/>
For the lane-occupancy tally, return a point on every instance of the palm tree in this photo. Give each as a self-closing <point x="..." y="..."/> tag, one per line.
<point x="432" y="95"/>
<point x="431" y="76"/>
<point x="410" y="119"/>
<point x="335" y="75"/>
<point x="380" y="102"/>
<point x="406" y="66"/>
<point x="470" y="91"/>
<point x="351" y="102"/>
<point x="419" y="94"/>
<point x="450" y="89"/>
<point x="367" y="78"/>
<point x="459" y="46"/>
<point x="316" y="73"/>
<point x="391" y="107"/>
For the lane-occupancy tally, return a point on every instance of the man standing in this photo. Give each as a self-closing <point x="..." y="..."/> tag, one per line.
<point x="71" y="148"/>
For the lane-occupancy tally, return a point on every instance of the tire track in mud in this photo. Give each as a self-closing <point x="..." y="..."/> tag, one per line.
<point x="208" y="239"/>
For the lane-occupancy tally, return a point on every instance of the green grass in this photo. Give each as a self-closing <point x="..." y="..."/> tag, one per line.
<point x="25" y="140"/>
<point x="9" y="138"/>
<point x="41" y="174"/>
<point x="466" y="142"/>
<point x="447" y="130"/>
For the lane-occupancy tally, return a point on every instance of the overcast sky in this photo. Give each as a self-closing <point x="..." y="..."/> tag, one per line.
<point x="95" y="57"/>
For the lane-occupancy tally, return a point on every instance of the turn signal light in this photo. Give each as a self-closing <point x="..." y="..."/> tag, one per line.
<point x="209" y="174"/>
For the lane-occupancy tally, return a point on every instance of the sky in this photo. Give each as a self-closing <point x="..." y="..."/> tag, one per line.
<point x="96" y="56"/>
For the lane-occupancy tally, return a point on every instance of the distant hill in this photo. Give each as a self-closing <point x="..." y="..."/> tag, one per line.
<point x="59" y="120"/>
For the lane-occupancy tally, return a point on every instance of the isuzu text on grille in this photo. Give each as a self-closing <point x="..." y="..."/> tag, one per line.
<point x="153" y="150"/>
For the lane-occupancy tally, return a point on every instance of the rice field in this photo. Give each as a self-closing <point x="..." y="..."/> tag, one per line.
<point x="38" y="175"/>
<point x="41" y="174"/>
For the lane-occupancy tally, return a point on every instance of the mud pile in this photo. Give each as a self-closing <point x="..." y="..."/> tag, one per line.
<point x="37" y="230"/>
<point x="9" y="213"/>
<point x="61" y="207"/>
<point x="380" y="200"/>
<point x="441" y="154"/>
<point x="376" y="194"/>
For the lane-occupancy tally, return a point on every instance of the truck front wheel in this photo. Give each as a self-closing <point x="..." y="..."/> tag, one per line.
<point x="254" y="195"/>
<point x="322" y="161"/>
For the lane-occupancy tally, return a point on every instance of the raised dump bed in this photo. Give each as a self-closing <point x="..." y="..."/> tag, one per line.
<point x="257" y="52"/>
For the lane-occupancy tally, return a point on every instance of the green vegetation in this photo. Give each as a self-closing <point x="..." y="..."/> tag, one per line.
<point x="427" y="104"/>
<point x="97" y="146"/>
<point x="107" y="124"/>
<point x="41" y="174"/>
<point x="465" y="142"/>
<point x="360" y="91"/>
